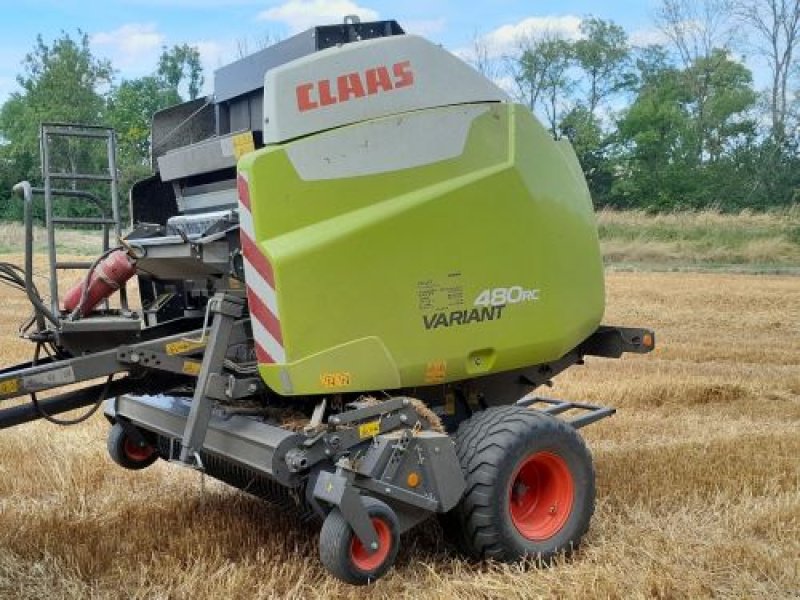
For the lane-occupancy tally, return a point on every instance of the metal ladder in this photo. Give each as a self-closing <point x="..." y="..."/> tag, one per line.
<point x="47" y="133"/>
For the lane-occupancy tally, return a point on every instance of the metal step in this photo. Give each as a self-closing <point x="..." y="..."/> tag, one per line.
<point x="553" y="406"/>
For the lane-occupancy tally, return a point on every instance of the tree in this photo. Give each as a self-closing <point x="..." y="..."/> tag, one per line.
<point x="542" y="75"/>
<point x="727" y="96"/>
<point x="695" y="27"/>
<point x="674" y="155"/>
<point x="591" y="145"/>
<point x="181" y="64"/>
<point x="652" y="136"/>
<point x="603" y="54"/>
<point x="482" y="57"/>
<point x="60" y="82"/>
<point x="776" y="24"/>
<point x="130" y="109"/>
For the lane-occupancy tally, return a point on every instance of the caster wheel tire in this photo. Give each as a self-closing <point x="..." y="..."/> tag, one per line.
<point x="127" y="453"/>
<point x="345" y="556"/>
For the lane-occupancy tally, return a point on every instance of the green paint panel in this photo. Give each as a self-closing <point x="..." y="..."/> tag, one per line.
<point x="377" y="276"/>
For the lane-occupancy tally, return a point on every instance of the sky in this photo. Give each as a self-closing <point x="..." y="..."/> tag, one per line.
<point x="132" y="32"/>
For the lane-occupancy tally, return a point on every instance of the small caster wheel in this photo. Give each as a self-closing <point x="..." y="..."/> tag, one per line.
<point x="127" y="453"/>
<point x="345" y="556"/>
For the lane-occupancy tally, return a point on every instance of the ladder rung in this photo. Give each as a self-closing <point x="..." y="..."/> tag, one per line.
<point x="72" y="264"/>
<point x="64" y="132"/>
<point x="83" y="221"/>
<point x="81" y="176"/>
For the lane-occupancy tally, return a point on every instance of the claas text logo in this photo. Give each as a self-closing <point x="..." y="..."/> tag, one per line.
<point x="326" y="92"/>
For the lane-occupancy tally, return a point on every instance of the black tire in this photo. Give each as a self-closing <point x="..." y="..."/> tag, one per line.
<point x="337" y="545"/>
<point x="530" y="486"/>
<point x="126" y="453"/>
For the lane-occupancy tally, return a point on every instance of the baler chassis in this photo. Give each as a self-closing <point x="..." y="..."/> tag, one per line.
<point x="364" y="466"/>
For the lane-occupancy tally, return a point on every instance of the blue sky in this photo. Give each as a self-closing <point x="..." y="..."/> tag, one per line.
<point x="132" y="32"/>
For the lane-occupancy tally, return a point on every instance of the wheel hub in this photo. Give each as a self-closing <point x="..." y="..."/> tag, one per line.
<point x="365" y="559"/>
<point x="541" y="496"/>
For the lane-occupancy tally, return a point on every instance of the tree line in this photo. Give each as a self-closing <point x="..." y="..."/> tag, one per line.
<point x="668" y="126"/>
<point x="64" y="82"/>
<point x="675" y="125"/>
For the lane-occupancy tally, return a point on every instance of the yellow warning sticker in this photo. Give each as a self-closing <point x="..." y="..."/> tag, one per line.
<point x="9" y="387"/>
<point x="335" y="380"/>
<point x="436" y="371"/>
<point x="242" y="144"/>
<point x="191" y="367"/>
<point x="369" y="430"/>
<point x="183" y="346"/>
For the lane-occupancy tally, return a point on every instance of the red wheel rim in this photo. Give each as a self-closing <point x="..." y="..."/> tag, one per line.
<point x="135" y="452"/>
<point x="540" y="496"/>
<point x="365" y="561"/>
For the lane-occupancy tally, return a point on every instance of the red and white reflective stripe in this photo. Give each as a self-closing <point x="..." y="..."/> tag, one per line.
<point x="260" y="282"/>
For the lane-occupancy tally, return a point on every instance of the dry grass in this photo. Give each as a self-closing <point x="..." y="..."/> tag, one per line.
<point x="71" y="241"/>
<point x="707" y="240"/>
<point x="698" y="475"/>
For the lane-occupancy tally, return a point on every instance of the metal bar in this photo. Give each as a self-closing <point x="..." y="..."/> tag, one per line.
<point x="72" y="264"/>
<point x="360" y="414"/>
<point x="24" y="413"/>
<point x="593" y="413"/>
<point x="48" y="209"/>
<point x="30" y="289"/>
<point x="54" y="374"/>
<point x="115" y="212"/>
<point x="78" y="176"/>
<point x="83" y="221"/>
<point x="51" y="124"/>
<point x="549" y="400"/>
<point x="591" y="417"/>
<point x="64" y="132"/>
<point x="557" y="409"/>
<point x="225" y="310"/>
<point x="71" y="193"/>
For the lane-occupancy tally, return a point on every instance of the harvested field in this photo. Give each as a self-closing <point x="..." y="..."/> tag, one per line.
<point x="698" y="480"/>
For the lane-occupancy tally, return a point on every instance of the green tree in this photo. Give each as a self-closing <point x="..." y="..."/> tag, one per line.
<point x="178" y="65"/>
<point x="723" y="95"/>
<point x="592" y="146"/>
<point x="130" y="108"/>
<point x="603" y="54"/>
<point x="682" y="139"/>
<point x="651" y="133"/>
<point x="61" y="82"/>
<point x="542" y="75"/>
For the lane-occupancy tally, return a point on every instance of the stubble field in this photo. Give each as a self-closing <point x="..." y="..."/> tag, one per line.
<point x="698" y="480"/>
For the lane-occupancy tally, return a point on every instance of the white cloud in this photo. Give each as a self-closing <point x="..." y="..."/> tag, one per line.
<point x="647" y="37"/>
<point x="505" y="38"/>
<point x="213" y="55"/>
<point x="504" y="41"/>
<point x="425" y="28"/>
<point x="132" y="47"/>
<point x="299" y="15"/>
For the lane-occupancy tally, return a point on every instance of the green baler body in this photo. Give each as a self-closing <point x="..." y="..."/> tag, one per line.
<point x="377" y="276"/>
